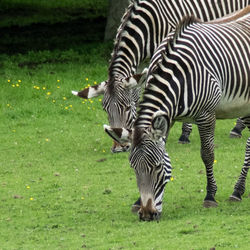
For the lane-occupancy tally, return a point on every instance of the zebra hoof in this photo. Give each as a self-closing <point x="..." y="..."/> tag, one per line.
<point x="183" y="140"/>
<point x="235" y="133"/>
<point x="235" y="197"/>
<point x="208" y="204"/>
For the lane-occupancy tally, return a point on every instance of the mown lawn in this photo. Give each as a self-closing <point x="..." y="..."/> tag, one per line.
<point x="62" y="188"/>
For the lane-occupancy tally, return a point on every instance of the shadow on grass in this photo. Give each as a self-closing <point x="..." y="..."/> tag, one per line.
<point x="59" y="36"/>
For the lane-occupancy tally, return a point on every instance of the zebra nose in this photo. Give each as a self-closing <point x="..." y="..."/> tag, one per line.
<point x="148" y="212"/>
<point x="117" y="147"/>
<point x="149" y="216"/>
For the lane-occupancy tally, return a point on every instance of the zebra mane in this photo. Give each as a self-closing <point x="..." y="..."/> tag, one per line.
<point x="183" y="24"/>
<point x="168" y="43"/>
<point x="120" y="30"/>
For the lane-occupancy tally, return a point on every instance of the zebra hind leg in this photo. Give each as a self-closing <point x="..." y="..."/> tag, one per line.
<point x="186" y="131"/>
<point x="239" y="187"/>
<point x="236" y="131"/>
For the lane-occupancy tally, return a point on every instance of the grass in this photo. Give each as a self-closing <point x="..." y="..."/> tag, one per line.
<point x="61" y="188"/>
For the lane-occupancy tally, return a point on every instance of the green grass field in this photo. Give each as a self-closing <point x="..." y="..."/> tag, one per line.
<point x="62" y="188"/>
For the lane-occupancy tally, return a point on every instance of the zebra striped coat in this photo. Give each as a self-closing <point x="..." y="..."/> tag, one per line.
<point x="144" y="25"/>
<point x="200" y="75"/>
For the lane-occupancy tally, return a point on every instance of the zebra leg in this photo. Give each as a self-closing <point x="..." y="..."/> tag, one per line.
<point x="239" y="187"/>
<point x="186" y="131"/>
<point x="206" y="128"/>
<point x="236" y="131"/>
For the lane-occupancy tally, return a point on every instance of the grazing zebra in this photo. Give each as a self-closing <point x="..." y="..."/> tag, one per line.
<point x="200" y="75"/>
<point x="144" y="25"/>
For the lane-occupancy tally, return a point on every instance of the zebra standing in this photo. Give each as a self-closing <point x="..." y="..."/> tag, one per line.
<point x="144" y="25"/>
<point x="203" y="73"/>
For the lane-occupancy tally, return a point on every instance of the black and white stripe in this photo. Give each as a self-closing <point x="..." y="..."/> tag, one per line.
<point x="199" y="75"/>
<point x="144" y="25"/>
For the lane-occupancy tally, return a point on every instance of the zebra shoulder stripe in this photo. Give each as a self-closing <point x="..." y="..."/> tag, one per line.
<point x="183" y="24"/>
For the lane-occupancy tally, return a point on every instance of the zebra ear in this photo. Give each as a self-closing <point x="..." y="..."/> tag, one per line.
<point x="92" y="91"/>
<point x="121" y="135"/>
<point x="135" y="80"/>
<point x="160" y="125"/>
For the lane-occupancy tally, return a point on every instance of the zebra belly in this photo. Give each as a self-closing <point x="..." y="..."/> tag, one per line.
<point x="232" y="109"/>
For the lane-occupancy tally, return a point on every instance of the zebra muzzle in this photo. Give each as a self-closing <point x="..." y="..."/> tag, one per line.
<point x="118" y="147"/>
<point x="148" y="213"/>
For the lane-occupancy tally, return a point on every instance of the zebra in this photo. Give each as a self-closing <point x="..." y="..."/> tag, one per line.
<point x="144" y="25"/>
<point x="200" y="75"/>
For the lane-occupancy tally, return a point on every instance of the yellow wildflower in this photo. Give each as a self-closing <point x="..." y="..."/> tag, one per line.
<point x="48" y="93"/>
<point x="171" y="178"/>
<point x="86" y="78"/>
<point x="95" y="82"/>
<point x="64" y="98"/>
<point x="28" y="187"/>
<point x="47" y="139"/>
<point x="44" y="88"/>
<point x="17" y="85"/>
<point x="58" y="80"/>
<point x="215" y="161"/>
<point x="19" y="81"/>
<point x="53" y="101"/>
<point x="37" y="87"/>
<point x="58" y="87"/>
<point x="100" y="100"/>
<point x="31" y="198"/>
<point x="13" y="85"/>
<point x="82" y="198"/>
<point x="70" y="105"/>
<point x="8" y="80"/>
<point x="66" y="108"/>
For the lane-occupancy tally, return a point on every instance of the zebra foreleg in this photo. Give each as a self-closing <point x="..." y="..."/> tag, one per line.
<point x="186" y="131"/>
<point x="236" y="131"/>
<point x="239" y="187"/>
<point x="206" y="129"/>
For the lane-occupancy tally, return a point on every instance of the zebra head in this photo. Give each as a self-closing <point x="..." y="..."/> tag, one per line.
<point x="120" y="99"/>
<point x="151" y="164"/>
<point x="149" y="160"/>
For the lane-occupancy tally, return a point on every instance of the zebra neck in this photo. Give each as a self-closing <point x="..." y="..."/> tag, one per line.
<point x="121" y="69"/>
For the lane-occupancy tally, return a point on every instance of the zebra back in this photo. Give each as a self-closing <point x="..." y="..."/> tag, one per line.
<point x="146" y="23"/>
<point x="198" y="53"/>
